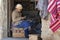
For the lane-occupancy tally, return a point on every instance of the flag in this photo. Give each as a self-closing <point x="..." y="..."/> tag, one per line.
<point x="54" y="8"/>
<point x="55" y="25"/>
<point x="58" y="5"/>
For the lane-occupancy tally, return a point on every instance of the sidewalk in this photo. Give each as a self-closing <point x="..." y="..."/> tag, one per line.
<point x="14" y="39"/>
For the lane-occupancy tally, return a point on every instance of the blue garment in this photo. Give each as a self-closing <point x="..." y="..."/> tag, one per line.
<point x="27" y="33"/>
<point x="38" y="29"/>
<point x="23" y="24"/>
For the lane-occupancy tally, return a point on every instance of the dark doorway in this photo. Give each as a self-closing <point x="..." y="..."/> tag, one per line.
<point x="28" y="10"/>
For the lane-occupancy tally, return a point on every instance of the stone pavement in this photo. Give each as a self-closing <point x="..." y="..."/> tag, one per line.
<point x="15" y="39"/>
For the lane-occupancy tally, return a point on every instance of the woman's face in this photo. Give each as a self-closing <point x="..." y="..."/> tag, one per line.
<point x="19" y="10"/>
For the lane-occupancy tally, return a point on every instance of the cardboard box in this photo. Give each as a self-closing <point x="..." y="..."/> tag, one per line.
<point x="33" y="37"/>
<point x="18" y="32"/>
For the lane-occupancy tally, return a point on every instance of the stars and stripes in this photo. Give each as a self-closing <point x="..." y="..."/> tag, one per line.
<point x="54" y="10"/>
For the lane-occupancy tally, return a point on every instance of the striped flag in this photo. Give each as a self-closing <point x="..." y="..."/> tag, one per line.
<point x="55" y="25"/>
<point x="54" y="9"/>
<point x="58" y="8"/>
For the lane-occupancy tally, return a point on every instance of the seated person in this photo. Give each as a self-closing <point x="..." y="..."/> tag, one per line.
<point x="17" y="15"/>
<point x="17" y="20"/>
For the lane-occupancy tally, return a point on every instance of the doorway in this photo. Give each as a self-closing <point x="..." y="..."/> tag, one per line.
<point x="28" y="10"/>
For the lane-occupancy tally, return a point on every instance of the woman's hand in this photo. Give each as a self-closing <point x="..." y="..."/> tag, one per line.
<point x="23" y="17"/>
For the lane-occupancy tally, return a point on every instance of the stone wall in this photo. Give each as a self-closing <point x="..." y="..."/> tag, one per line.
<point x="3" y="18"/>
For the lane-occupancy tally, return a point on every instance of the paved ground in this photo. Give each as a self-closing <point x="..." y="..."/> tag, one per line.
<point x="14" y="39"/>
